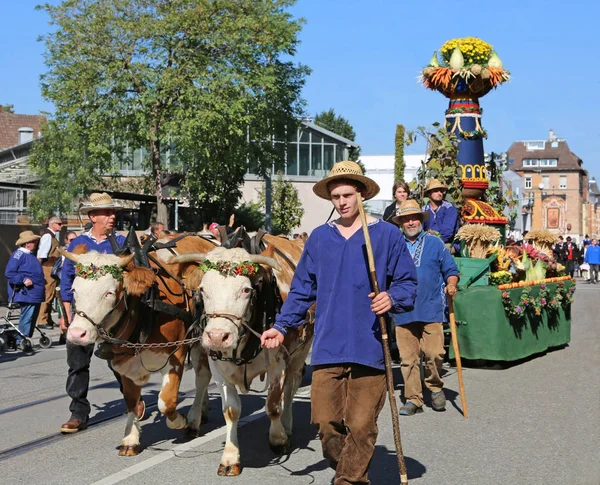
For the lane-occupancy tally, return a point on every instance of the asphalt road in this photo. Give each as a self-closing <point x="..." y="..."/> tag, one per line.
<point x="533" y="423"/>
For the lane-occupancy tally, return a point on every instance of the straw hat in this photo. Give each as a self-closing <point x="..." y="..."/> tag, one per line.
<point x="407" y="208"/>
<point x="97" y="202"/>
<point x="435" y="184"/>
<point x="346" y="170"/>
<point x="25" y="237"/>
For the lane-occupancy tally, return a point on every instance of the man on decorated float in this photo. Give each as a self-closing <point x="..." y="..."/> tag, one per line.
<point x="443" y="215"/>
<point x="421" y="330"/>
<point x="348" y="381"/>
<point x="102" y="212"/>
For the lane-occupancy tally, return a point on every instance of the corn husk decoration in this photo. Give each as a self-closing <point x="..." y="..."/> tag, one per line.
<point x="434" y="60"/>
<point x="543" y="240"/>
<point x="457" y="61"/>
<point x="495" y="61"/>
<point x="479" y="238"/>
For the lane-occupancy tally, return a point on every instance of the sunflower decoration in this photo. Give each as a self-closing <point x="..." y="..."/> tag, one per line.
<point x="466" y="65"/>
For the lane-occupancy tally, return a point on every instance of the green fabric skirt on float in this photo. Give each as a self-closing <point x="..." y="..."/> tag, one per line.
<point x="486" y="331"/>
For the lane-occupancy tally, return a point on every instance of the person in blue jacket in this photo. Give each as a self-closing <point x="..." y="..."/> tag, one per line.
<point x="592" y="257"/>
<point x="421" y="330"/>
<point x="26" y="280"/>
<point x="443" y="216"/>
<point x="348" y="380"/>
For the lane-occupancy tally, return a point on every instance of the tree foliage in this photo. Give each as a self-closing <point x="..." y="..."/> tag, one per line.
<point x="250" y="215"/>
<point x="399" y="164"/>
<point x="340" y="126"/>
<point x="498" y="195"/>
<point x="286" y="208"/>
<point x="207" y="82"/>
<point x="7" y="108"/>
<point x="441" y="161"/>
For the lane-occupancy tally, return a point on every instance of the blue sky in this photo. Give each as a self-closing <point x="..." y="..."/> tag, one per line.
<point x="366" y="56"/>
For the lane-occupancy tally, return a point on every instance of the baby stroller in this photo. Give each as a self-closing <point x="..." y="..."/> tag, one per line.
<point x="9" y="328"/>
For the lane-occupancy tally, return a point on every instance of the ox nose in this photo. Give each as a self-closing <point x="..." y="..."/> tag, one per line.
<point x="77" y="333"/>
<point x="217" y="337"/>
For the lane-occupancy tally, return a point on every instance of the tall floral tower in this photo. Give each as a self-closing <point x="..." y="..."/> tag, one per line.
<point x="464" y="70"/>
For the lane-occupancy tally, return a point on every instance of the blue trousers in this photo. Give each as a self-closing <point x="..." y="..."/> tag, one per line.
<point x="29" y="315"/>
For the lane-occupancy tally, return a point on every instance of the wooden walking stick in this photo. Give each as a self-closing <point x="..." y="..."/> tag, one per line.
<point x="461" y="386"/>
<point x="386" y="347"/>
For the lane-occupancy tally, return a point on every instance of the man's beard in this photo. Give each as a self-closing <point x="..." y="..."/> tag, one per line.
<point x="413" y="232"/>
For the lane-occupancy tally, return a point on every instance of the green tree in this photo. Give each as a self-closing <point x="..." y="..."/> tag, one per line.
<point x="441" y="161"/>
<point x="399" y="164"/>
<point x="250" y="215"/>
<point x="204" y="84"/>
<point x="340" y="126"/>
<point x="7" y="108"/>
<point x="286" y="208"/>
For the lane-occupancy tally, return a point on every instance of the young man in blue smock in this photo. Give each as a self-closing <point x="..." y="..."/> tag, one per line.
<point x="420" y="330"/>
<point x="348" y="381"/>
<point x="26" y="279"/>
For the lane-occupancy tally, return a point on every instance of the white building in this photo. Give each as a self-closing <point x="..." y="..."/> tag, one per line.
<point x="381" y="169"/>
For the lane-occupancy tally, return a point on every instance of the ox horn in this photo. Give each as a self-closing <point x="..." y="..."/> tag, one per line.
<point x="260" y="259"/>
<point x="187" y="258"/>
<point x="125" y="260"/>
<point x="70" y="256"/>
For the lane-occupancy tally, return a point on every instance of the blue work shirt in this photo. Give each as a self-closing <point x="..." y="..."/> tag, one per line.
<point x="21" y="265"/>
<point x="444" y="220"/>
<point x="334" y="271"/>
<point x="434" y="266"/>
<point x="68" y="270"/>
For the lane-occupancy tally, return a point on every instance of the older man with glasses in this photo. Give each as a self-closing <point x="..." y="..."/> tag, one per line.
<point x="48" y="255"/>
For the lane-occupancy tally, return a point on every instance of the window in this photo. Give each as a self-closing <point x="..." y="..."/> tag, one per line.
<point x="527" y="182"/>
<point x="530" y="162"/>
<point x="546" y="181"/>
<point x="292" y="159"/>
<point x="535" y="145"/>
<point x="327" y="157"/>
<point x="563" y="182"/>
<point x="548" y="162"/>
<point x="304" y="159"/>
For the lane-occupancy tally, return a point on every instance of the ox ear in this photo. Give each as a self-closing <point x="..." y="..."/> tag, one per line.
<point x="193" y="278"/>
<point x="138" y="280"/>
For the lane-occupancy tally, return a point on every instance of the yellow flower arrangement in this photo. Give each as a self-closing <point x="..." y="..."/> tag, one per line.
<point x="474" y="50"/>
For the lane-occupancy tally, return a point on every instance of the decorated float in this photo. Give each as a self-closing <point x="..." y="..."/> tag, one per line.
<point x="513" y="301"/>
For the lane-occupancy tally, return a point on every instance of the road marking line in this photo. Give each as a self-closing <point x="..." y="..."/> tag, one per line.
<point x="167" y="455"/>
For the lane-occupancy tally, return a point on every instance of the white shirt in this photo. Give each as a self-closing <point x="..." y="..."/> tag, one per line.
<point x="46" y="244"/>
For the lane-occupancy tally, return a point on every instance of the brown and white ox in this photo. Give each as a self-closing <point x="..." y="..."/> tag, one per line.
<point x="231" y="306"/>
<point x="114" y="305"/>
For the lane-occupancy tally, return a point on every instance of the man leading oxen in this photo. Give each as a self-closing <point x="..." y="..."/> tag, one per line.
<point x="107" y="294"/>
<point x="240" y="299"/>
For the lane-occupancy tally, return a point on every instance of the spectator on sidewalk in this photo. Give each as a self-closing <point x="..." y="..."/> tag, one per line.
<point x="592" y="257"/>
<point x="48" y="254"/>
<point x="26" y="281"/>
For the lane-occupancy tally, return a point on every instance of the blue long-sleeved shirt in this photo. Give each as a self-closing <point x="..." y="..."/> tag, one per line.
<point x="592" y="255"/>
<point x="334" y="271"/>
<point x="22" y="265"/>
<point x="434" y="266"/>
<point x="445" y="220"/>
<point x="68" y="270"/>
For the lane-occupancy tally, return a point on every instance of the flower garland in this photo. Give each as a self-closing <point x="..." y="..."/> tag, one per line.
<point x="455" y="111"/>
<point x="474" y="134"/>
<point x="528" y="304"/>
<point x="93" y="272"/>
<point x="229" y="268"/>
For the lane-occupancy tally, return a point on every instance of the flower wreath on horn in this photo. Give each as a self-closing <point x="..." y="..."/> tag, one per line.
<point x="229" y="268"/>
<point x="93" y="272"/>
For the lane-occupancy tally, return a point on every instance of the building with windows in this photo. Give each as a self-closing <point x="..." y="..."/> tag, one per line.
<point x="307" y="156"/>
<point x="555" y="185"/>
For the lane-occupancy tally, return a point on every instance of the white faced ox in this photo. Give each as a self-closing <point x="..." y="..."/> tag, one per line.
<point x="234" y="308"/>
<point x="106" y="297"/>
